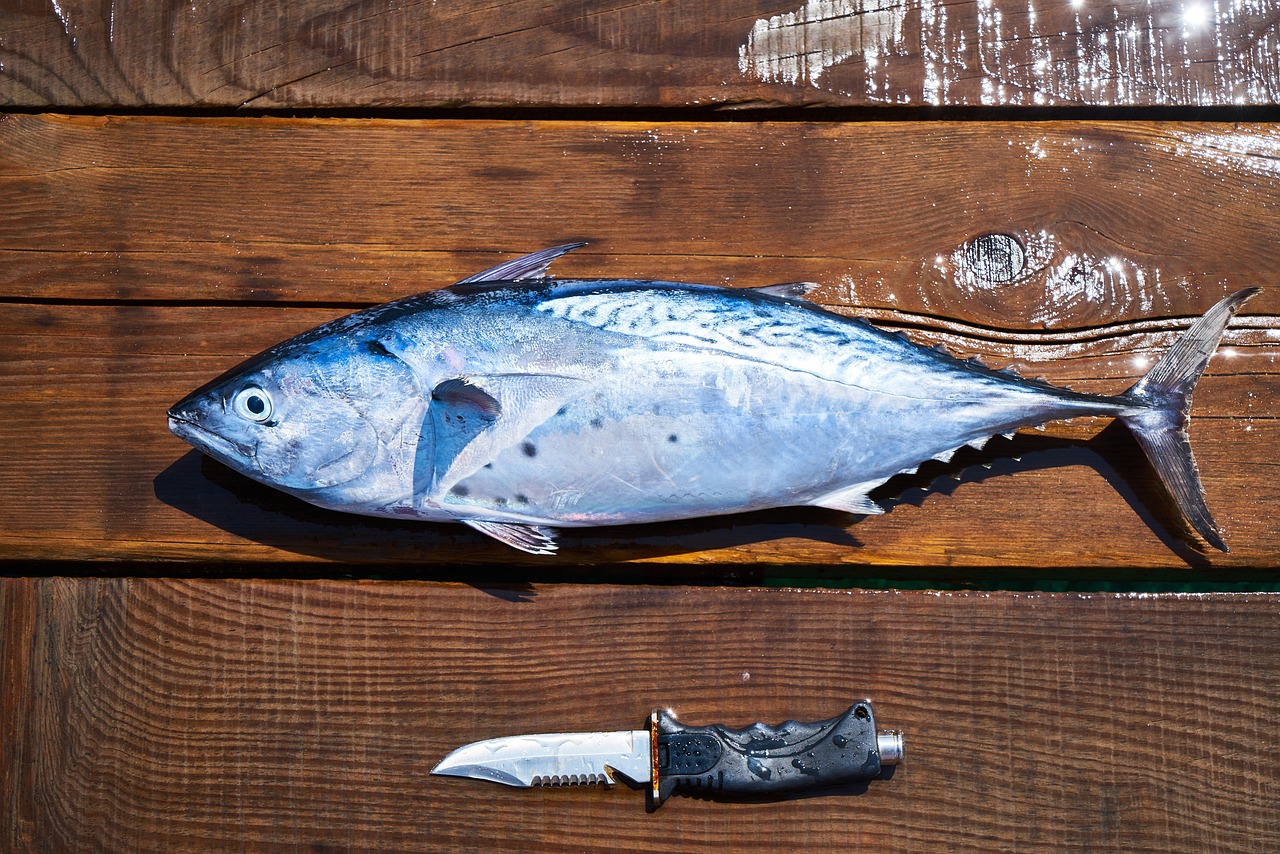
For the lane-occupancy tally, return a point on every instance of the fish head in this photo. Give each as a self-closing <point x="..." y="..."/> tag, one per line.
<point x="307" y="415"/>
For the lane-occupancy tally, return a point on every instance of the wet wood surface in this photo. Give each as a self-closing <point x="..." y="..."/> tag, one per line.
<point x="1116" y="221"/>
<point x="733" y="53"/>
<point x="136" y="268"/>
<point x="150" y="715"/>
<point x="211" y="699"/>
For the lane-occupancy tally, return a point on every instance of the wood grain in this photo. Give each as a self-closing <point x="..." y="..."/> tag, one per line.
<point x="136" y="267"/>
<point x="1120" y="222"/>
<point x="171" y="715"/>
<point x="361" y="53"/>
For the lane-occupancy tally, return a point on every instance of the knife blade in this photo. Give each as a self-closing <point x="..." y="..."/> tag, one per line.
<point x="672" y="758"/>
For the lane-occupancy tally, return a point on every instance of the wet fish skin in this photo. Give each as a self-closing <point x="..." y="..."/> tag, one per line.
<point x="527" y="404"/>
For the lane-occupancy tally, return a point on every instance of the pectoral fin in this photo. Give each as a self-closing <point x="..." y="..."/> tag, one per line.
<point x="534" y="539"/>
<point x="457" y="414"/>
<point x="471" y="420"/>
<point x="466" y="399"/>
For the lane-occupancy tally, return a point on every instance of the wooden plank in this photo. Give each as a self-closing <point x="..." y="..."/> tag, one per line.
<point x="121" y="240"/>
<point x="734" y="53"/>
<point x="273" y="716"/>
<point x="1117" y="221"/>
<point x="83" y="440"/>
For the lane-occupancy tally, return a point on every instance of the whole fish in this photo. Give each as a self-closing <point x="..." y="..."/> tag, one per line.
<point x="518" y="404"/>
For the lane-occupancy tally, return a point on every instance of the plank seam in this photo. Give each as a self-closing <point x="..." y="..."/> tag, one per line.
<point x="725" y="112"/>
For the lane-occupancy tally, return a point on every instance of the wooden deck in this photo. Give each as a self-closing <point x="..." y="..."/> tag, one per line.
<point x="304" y="715"/>
<point x="193" y="662"/>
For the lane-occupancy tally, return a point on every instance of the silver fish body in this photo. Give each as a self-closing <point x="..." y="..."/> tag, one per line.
<point x="529" y="404"/>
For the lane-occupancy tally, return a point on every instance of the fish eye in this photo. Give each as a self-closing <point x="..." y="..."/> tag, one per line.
<point x="253" y="403"/>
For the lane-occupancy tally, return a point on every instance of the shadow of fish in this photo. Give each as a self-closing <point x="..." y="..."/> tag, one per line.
<point x="518" y="404"/>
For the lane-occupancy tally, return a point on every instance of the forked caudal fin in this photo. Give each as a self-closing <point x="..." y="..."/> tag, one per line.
<point x="1163" y="407"/>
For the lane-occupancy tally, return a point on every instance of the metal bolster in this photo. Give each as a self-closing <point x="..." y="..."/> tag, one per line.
<point x="653" y="755"/>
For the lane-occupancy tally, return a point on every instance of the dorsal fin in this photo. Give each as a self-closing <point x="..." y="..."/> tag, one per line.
<point x="789" y="290"/>
<point x="525" y="267"/>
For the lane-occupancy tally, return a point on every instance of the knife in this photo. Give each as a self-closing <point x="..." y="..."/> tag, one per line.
<point x="707" y="761"/>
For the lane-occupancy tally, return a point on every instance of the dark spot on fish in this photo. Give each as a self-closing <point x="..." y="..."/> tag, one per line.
<point x="521" y="498"/>
<point x="377" y="349"/>
<point x="597" y="423"/>
<point x="501" y="502"/>
<point x="460" y="491"/>
<point x="488" y="465"/>
<point x="673" y="438"/>
<point x="562" y="410"/>
<point x="529" y="449"/>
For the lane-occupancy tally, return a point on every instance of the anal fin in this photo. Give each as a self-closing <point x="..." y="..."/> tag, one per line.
<point x="534" y="539"/>
<point x="851" y="499"/>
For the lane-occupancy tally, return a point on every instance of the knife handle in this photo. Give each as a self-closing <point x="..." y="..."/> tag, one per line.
<point x="760" y="760"/>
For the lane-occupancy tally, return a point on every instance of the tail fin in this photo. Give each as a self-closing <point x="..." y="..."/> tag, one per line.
<point x="1164" y="398"/>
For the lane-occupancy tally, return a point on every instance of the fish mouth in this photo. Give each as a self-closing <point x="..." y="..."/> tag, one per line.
<point x="203" y="439"/>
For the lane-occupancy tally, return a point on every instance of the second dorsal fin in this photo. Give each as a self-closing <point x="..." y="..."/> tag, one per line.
<point x="789" y="290"/>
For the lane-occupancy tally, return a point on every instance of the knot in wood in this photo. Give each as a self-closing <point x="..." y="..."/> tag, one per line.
<point x="995" y="258"/>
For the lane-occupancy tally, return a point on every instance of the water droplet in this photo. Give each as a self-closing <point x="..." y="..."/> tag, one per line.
<point x="1195" y="16"/>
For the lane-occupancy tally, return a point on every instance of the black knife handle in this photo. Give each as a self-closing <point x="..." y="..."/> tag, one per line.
<point x="716" y="761"/>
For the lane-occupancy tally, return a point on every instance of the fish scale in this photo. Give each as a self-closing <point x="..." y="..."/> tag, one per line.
<point x="628" y="468"/>
<point x="525" y="404"/>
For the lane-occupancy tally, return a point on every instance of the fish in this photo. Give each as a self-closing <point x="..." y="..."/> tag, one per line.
<point x="520" y="404"/>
